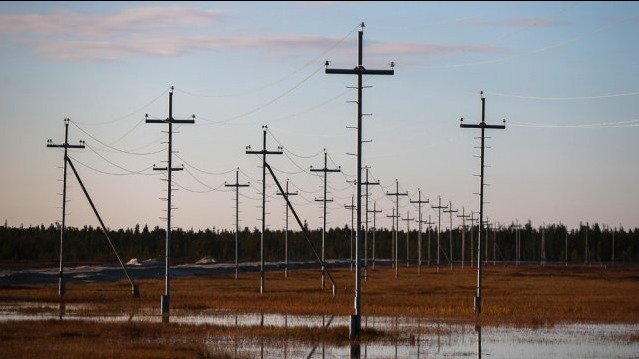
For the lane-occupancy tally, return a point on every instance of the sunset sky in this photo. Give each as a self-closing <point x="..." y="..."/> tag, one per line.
<point x="563" y="74"/>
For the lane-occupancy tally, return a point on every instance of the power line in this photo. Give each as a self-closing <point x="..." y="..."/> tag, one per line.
<point x="569" y="98"/>
<point x="618" y="124"/>
<point x="115" y="148"/>
<point x="127" y="115"/>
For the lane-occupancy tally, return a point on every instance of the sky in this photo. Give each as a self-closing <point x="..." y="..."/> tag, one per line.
<point x="562" y="74"/>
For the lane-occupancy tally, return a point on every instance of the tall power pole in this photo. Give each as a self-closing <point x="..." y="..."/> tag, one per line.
<point x="439" y="208"/>
<point x="286" y="233"/>
<point x="366" y="184"/>
<point x="419" y="203"/>
<point x="359" y="71"/>
<point x="396" y="194"/>
<point x="483" y="126"/>
<point x="393" y="216"/>
<point x="450" y="212"/>
<point x="237" y="186"/>
<point x="463" y="216"/>
<point x="324" y="200"/>
<point x="166" y="298"/>
<point x="375" y="211"/>
<point x="66" y="146"/>
<point x="352" y="207"/>
<point x="407" y="219"/>
<point x="263" y="152"/>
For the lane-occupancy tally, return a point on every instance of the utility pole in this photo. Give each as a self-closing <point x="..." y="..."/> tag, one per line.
<point x="66" y="146"/>
<point x="495" y="244"/>
<point x="393" y="240"/>
<point x="325" y="170"/>
<point x="543" y="245"/>
<point x="263" y="152"/>
<point x="375" y="211"/>
<point x="407" y="219"/>
<point x="286" y="233"/>
<point x="450" y="212"/>
<point x="419" y="203"/>
<point x="166" y="298"/>
<point x="367" y="183"/>
<point x="237" y="186"/>
<point x="352" y="207"/>
<point x="517" y="226"/>
<point x="359" y="71"/>
<point x="472" y="238"/>
<point x="429" y="223"/>
<point x="613" y="245"/>
<point x="439" y="208"/>
<point x="483" y="126"/>
<point x="463" y="216"/>
<point x="396" y="194"/>
<point x="586" y="250"/>
<point x="566" y="250"/>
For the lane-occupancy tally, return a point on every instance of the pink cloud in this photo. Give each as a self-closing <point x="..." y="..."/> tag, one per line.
<point x="518" y="22"/>
<point x="73" y="23"/>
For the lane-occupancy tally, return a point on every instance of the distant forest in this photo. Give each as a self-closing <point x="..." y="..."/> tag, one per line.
<point x="41" y="243"/>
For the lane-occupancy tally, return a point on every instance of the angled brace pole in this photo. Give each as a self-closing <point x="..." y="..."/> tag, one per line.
<point x="135" y="292"/>
<point x="306" y="235"/>
<point x="482" y="126"/>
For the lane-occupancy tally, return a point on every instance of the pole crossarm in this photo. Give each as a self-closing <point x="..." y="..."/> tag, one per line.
<point x="482" y="126"/>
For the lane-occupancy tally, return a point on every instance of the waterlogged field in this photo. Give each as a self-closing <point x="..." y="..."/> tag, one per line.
<point x="529" y="311"/>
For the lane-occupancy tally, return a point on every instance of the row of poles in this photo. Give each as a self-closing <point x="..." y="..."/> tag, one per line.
<point x="361" y="239"/>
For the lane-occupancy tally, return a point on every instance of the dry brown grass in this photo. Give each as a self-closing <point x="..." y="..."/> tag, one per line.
<point x="512" y="295"/>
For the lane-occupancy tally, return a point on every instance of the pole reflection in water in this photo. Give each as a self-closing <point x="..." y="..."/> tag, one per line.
<point x="355" y="350"/>
<point x="62" y="308"/>
<point x="478" y="330"/>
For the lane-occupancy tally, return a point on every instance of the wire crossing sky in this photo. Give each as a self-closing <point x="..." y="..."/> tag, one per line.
<point x="562" y="74"/>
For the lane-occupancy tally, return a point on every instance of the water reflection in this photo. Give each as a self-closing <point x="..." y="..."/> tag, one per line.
<point x="478" y="330"/>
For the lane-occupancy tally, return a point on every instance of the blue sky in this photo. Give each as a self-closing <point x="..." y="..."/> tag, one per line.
<point x="563" y="74"/>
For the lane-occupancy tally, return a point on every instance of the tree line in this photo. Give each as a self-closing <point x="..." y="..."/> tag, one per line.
<point x="588" y="243"/>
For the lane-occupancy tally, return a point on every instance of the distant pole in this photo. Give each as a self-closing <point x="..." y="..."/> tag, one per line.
<point x="613" y="245"/>
<point x="429" y="223"/>
<point x="439" y="208"/>
<point x="393" y="241"/>
<point x="543" y="245"/>
<point x="237" y="186"/>
<point x="566" y="241"/>
<point x="586" y="250"/>
<point x="375" y="211"/>
<point x="66" y="146"/>
<point x="352" y="207"/>
<point x="366" y="184"/>
<point x="450" y="212"/>
<point x="483" y="126"/>
<point x="407" y="219"/>
<point x="419" y="233"/>
<point x="263" y="152"/>
<point x="166" y="298"/>
<point x="463" y="216"/>
<point x="286" y="233"/>
<point x="472" y="239"/>
<point x="517" y="242"/>
<point x="396" y="194"/>
<point x="495" y="244"/>
<point x="324" y="200"/>
<point x="360" y="71"/>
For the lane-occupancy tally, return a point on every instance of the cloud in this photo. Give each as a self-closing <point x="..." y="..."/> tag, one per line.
<point x="518" y="22"/>
<point x="78" y="24"/>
